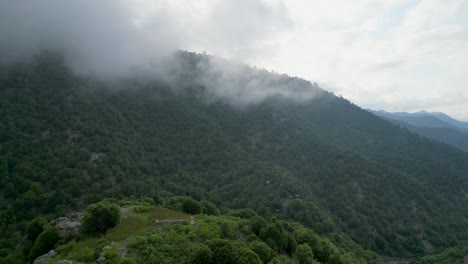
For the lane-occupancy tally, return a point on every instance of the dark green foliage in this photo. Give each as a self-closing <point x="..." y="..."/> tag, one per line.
<point x="328" y="253"/>
<point x="127" y="261"/>
<point x="68" y="141"/>
<point x="99" y="217"/>
<point x="224" y="251"/>
<point x="209" y="208"/>
<point x="456" y="255"/>
<point x="191" y="206"/>
<point x="275" y="236"/>
<point x="35" y="227"/>
<point x="257" y="223"/>
<point x="244" y="213"/>
<point x="264" y="252"/>
<point x="202" y="255"/>
<point x="292" y="244"/>
<point x="44" y="242"/>
<point x="304" y="254"/>
<point x="247" y="256"/>
<point x="16" y="258"/>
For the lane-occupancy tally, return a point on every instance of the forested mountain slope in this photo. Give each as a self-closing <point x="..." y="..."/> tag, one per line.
<point x="67" y="141"/>
<point x="436" y="126"/>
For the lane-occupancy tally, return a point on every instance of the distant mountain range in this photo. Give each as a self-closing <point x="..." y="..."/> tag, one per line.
<point x="437" y="126"/>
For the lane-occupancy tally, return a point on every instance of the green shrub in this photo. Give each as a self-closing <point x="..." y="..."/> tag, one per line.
<point x="127" y="261"/>
<point x="247" y="256"/>
<point x="44" y="242"/>
<point x="264" y="252"/>
<point x="84" y="255"/>
<point x="191" y="206"/>
<point x="35" y="228"/>
<point x="223" y="251"/>
<point x="257" y="223"/>
<point x="209" y="208"/>
<point x="304" y="254"/>
<point x="99" y="217"/>
<point x="202" y="255"/>
<point x="274" y="234"/>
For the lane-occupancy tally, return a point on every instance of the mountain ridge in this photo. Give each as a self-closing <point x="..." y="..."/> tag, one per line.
<point x="324" y="162"/>
<point x="436" y="126"/>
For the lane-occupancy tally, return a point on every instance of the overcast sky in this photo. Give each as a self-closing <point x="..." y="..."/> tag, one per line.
<point x="398" y="55"/>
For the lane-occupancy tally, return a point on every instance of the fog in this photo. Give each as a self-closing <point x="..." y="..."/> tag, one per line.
<point x="114" y="39"/>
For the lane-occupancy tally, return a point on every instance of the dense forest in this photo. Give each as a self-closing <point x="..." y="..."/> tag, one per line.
<point x="315" y="162"/>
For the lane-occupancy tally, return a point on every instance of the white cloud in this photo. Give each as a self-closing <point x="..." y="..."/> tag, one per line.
<point x="402" y="55"/>
<point x="394" y="55"/>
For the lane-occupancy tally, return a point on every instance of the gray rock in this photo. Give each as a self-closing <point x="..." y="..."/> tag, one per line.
<point x="42" y="259"/>
<point x="69" y="226"/>
<point x="106" y="248"/>
<point x="101" y="260"/>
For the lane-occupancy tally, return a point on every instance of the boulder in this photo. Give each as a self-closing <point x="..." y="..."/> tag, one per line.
<point x="42" y="259"/>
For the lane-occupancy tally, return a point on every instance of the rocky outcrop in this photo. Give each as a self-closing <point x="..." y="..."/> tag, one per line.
<point x="68" y="226"/>
<point x="44" y="258"/>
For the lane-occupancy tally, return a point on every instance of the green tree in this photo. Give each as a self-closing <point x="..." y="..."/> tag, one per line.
<point x="247" y="256"/>
<point x="44" y="242"/>
<point x="191" y="206"/>
<point x="264" y="252"/>
<point x="257" y="223"/>
<point x="209" y="208"/>
<point x="99" y="217"/>
<point x="202" y="255"/>
<point x="223" y="251"/>
<point x="35" y="228"/>
<point x="275" y="236"/>
<point x="3" y="173"/>
<point x="304" y="254"/>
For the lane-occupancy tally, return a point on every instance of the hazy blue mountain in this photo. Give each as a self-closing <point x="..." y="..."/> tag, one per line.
<point x="452" y="121"/>
<point x="436" y="126"/>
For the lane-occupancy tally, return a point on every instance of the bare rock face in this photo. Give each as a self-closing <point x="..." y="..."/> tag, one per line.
<point x="69" y="226"/>
<point x="44" y="258"/>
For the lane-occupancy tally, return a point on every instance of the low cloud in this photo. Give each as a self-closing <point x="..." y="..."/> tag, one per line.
<point x="110" y="37"/>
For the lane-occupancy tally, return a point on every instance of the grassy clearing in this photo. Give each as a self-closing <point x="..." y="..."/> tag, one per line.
<point x="135" y="220"/>
<point x="160" y="213"/>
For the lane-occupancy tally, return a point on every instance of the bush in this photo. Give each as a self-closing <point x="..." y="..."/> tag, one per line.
<point x="191" y="206"/>
<point x="202" y="255"/>
<point x="247" y="256"/>
<point x="35" y="228"/>
<point x="209" y="208"/>
<point x="275" y="236"/>
<point x="304" y="254"/>
<point x="127" y="261"/>
<point x="223" y="251"/>
<point x="99" y="217"/>
<point x="44" y="242"/>
<point x="257" y="223"/>
<point x="263" y="251"/>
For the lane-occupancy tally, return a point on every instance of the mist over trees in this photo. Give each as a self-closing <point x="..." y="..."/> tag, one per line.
<point x="70" y="141"/>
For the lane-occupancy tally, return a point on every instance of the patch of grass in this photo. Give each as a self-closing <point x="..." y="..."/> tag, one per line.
<point x="134" y="221"/>
<point x="83" y="250"/>
<point x="131" y="223"/>
<point x="164" y="213"/>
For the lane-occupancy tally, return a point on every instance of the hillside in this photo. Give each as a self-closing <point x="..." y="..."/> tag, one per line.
<point x="303" y="155"/>
<point x="148" y="233"/>
<point x="436" y="126"/>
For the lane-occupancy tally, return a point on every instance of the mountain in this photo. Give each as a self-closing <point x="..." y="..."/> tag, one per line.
<point x="236" y="136"/>
<point x="437" y="126"/>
